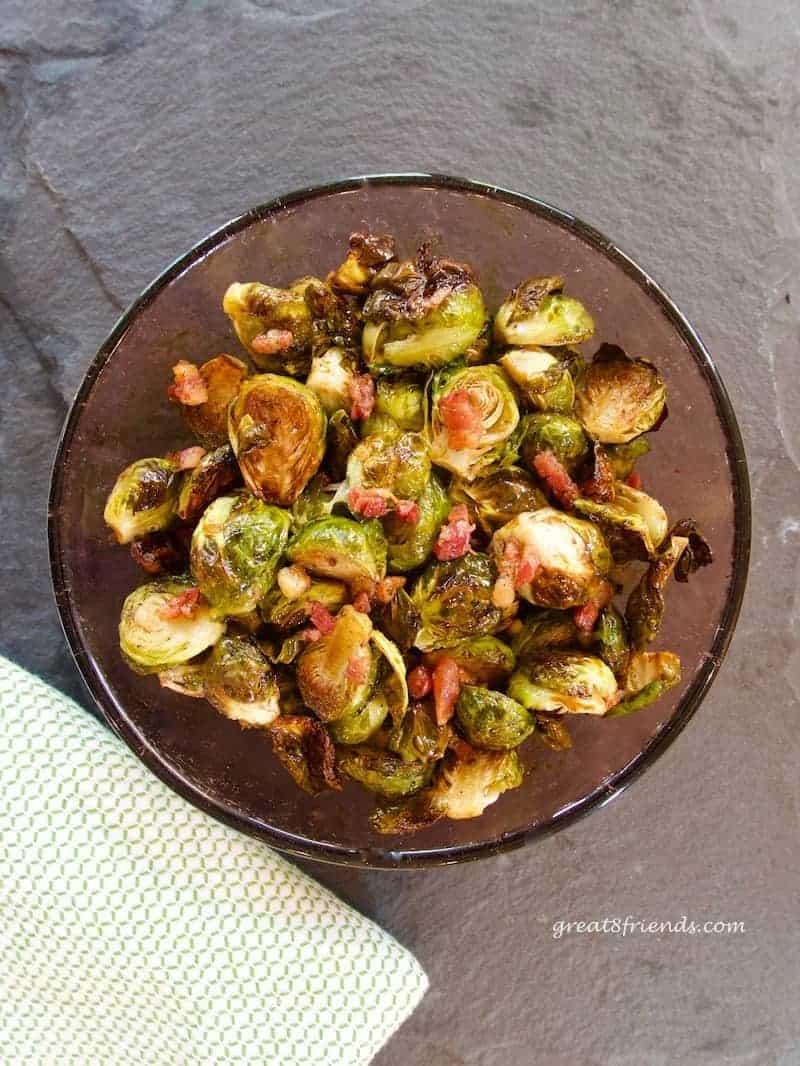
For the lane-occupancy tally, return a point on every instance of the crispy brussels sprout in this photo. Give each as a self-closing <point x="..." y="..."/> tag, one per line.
<point x="495" y="499"/>
<point x="211" y="388"/>
<point x="240" y="683"/>
<point x="336" y="673"/>
<point x="143" y="499"/>
<point x="617" y="397"/>
<point x="274" y="325"/>
<point x="480" y="660"/>
<point x="554" y="433"/>
<point x="287" y="614"/>
<point x="341" y="439"/>
<point x="697" y="552"/>
<point x="382" y="772"/>
<point x="611" y="637"/>
<point x="648" y="676"/>
<point x="410" y="543"/>
<point x="537" y="314"/>
<point x="543" y="376"/>
<point x="165" y="624"/>
<point x="302" y="746"/>
<point x="568" y="682"/>
<point x="358" y="727"/>
<point x="491" y="720"/>
<point x="545" y="628"/>
<point x="623" y="457"/>
<point x="399" y="467"/>
<point x="553" y="732"/>
<point x="635" y="523"/>
<point x="368" y="253"/>
<point x="454" y="600"/>
<point x="399" y="619"/>
<point x="403" y="400"/>
<point x="421" y="314"/>
<point x="277" y="431"/>
<point x="551" y="559"/>
<point x="473" y="418"/>
<point x="417" y="737"/>
<point x="340" y="548"/>
<point x="331" y="376"/>
<point x="236" y="547"/>
<point x="216" y="472"/>
<point x="645" y="608"/>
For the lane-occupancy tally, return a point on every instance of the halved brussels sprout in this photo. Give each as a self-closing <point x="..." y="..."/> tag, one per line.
<point x="537" y="314"/>
<point x="358" y="727"/>
<point x="286" y="614"/>
<point x="403" y="400"/>
<point x="623" y="457"/>
<point x="399" y="619"/>
<point x="559" y="434"/>
<point x="143" y="499"/>
<point x="240" y="683"/>
<point x="567" y="682"/>
<point x="398" y="466"/>
<point x="165" y="624"/>
<point x="382" y="772"/>
<point x="341" y="439"/>
<point x="491" y="720"/>
<point x="611" y="637"/>
<point x="216" y="472"/>
<point x="617" y="397"/>
<point x="551" y="559"/>
<point x="331" y="377"/>
<point x="421" y="314"/>
<point x="368" y="252"/>
<point x="340" y="548"/>
<point x="274" y="325"/>
<point x="236" y="547"/>
<point x="277" y="431"/>
<point x="410" y="543"/>
<point x="220" y="379"/>
<point x="454" y="600"/>
<point x="473" y="417"/>
<point x="480" y="660"/>
<point x="336" y="673"/>
<point x="635" y="523"/>
<point x="302" y="746"/>
<point x="416" y="737"/>
<point x="545" y="628"/>
<point x="543" y="376"/>
<point x="649" y="674"/>
<point x="495" y="499"/>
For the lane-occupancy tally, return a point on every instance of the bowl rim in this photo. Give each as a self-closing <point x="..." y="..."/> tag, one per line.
<point x="388" y="858"/>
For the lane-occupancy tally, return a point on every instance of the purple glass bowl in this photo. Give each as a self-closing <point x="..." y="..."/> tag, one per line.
<point x="697" y="468"/>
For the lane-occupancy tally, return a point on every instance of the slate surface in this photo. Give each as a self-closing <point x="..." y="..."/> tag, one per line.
<point x="129" y="129"/>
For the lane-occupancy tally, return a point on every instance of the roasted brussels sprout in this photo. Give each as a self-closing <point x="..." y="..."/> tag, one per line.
<point x="368" y="253"/>
<point x="454" y="600"/>
<point x="538" y="314"/>
<point x="143" y="499"/>
<point x="341" y="439"/>
<point x="274" y="325"/>
<point x="399" y="619"/>
<point x="382" y="772"/>
<point x="648" y="676"/>
<point x="215" y="474"/>
<point x="331" y="377"/>
<point x="394" y="686"/>
<point x="421" y="314"/>
<point x="568" y="682"/>
<point x="645" y="608"/>
<point x="239" y="682"/>
<point x="302" y="745"/>
<point x="480" y="660"/>
<point x="287" y="614"/>
<point x="623" y="457"/>
<point x="697" y="552"/>
<point x="236" y="547"/>
<point x="398" y="468"/>
<point x="410" y="543"/>
<point x="551" y="559"/>
<point x="545" y="628"/>
<point x="495" y="499"/>
<point x="340" y="548"/>
<point x="417" y="736"/>
<point x="635" y="523"/>
<point x="188" y="679"/>
<point x="554" y="433"/>
<point x="165" y="623"/>
<point x="617" y="397"/>
<point x="205" y="394"/>
<point x="491" y="720"/>
<point x="277" y="431"/>
<point x="360" y="725"/>
<point x="543" y="376"/>
<point x="336" y="673"/>
<point x="403" y="400"/>
<point x="611" y="637"/>
<point x="473" y="418"/>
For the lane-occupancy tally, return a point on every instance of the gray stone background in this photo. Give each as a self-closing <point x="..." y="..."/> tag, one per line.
<point x="129" y="129"/>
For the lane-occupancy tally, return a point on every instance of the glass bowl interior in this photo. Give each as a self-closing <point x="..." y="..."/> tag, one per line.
<point x="696" y="468"/>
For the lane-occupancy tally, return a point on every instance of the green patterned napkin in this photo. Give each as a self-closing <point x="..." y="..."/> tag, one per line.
<point x="135" y="929"/>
